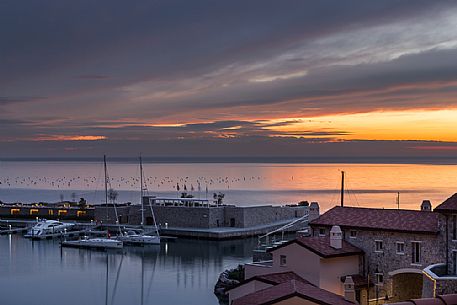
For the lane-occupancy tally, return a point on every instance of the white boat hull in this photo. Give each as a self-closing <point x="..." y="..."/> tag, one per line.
<point x="139" y="239"/>
<point x="95" y="243"/>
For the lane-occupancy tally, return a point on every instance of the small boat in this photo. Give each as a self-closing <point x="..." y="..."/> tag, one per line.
<point x="133" y="237"/>
<point x="48" y="228"/>
<point x="94" y="243"/>
<point x="139" y="238"/>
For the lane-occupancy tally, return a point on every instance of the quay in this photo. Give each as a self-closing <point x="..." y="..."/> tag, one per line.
<point x="207" y="219"/>
<point x="175" y="217"/>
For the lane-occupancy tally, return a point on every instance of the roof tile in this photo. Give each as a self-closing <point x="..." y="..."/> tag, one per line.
<point x="380" y="219"/>
<point x="290" y="289"/>
<point x="321" y="246"/>
<point x="449" y="205"/>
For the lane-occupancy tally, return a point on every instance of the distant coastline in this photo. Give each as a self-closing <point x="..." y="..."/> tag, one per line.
<point x="254" y="159"/>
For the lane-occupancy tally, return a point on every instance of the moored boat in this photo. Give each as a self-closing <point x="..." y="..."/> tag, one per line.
<point x="132" y="237"/>
<point x="94" y="243"/>
<point x="48" y="228"/>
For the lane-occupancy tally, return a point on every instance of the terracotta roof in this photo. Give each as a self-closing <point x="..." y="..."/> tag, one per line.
<point x="380" y="219"/>
<point x="279" y="278"/>
<point x="290" y="289"/>
<point x="449" y="205"/>
<point x="273" y="279"/>
<point x="321" y="246"/>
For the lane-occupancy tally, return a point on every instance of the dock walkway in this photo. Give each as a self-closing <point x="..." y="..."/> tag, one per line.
<point x="220" y="233"/>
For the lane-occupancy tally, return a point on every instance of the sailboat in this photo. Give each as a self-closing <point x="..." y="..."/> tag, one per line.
<point x="133" y="237"/>
<point x="99" y="242"/>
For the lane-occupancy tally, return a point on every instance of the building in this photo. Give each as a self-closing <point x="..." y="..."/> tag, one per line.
<point x="325" y="262"/>
<point x="283" y="288"/>
<point x="398" y="245"/>
<point x="202" y="218"/>
<point x="391" y="255"/>
<point x="61" y="210"/>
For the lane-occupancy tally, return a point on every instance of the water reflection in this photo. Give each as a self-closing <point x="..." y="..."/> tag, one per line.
<point x="180" y="272"/>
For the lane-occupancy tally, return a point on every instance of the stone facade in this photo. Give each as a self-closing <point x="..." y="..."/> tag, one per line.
<point x="451" y="243"/>
<point x="201" y="217"/>
<point x="400" y="274"/>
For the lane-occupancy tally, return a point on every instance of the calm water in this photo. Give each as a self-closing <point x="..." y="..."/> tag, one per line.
<point x="180" y="272"/>
<point x="370" y="185"/>
<point x="185" y="271"/>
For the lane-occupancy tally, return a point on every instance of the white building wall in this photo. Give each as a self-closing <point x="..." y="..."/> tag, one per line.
<point x="332" y="269"/>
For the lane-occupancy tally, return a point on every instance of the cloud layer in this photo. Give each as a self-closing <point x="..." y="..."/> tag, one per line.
<point x="183" y="72"/>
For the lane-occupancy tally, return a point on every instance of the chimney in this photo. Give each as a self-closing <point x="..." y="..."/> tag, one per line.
<point x="426" y="205"/>
<point x="336" y="237"/>
<point x="349" y="289"/>
<point x="313" y="211"/>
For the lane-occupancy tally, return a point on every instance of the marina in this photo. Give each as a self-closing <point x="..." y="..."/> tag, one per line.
<point x="199" y="238"/>
<point x="189" y="268"/>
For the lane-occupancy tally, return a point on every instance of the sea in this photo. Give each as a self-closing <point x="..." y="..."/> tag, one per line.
<point x="183" y="271"/>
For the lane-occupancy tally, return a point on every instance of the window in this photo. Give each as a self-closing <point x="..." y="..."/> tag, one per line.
<point x="379" y="278"/>
<point x="379" y="247"/>
<point x="33" y="211"/>
<point x="400" y="247"/>
<point x="321" y="232"/>
<point x="353" y="234"/>
<point x="15" y="211"/>
<point x="81" y="213"/>
<point x="282" y="260"/>
<point x="62" y="212"/>
<point x="416" y="252"/>
<point x="50" y="212"/>
<point x="454" y="227"/>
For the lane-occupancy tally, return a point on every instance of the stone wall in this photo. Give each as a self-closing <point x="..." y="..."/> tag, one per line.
<point x="446" y="286"/>
<point x="184" y="216"/>
<point x="452" y="244"/>
<point x="234" y="217"/>
<point x="387" y="260"/>
<point x="254" y="216"/>
<point x="108" y="215"/>
<point x="201" y="217"/>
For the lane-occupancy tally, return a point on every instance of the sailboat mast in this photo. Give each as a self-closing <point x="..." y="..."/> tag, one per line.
<point x="106" y="186"/>
<point x="342" y="188"/>
<point x="141" y="191"/>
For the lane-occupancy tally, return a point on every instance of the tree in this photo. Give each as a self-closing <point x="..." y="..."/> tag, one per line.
<point x="219" y="197"/>
<point x="112" y="195"/>
<point x="82" y="203"/>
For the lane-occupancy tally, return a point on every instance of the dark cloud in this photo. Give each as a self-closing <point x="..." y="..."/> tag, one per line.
<point x="114" y="68"/>
<point x="4" y="100"/>
<point x="93" y="76"/>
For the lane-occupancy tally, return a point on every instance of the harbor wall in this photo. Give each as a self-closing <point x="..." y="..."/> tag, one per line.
<point x="201" y="217"/>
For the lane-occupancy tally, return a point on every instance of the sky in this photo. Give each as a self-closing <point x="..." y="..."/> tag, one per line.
<point x="235" y="78"/>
